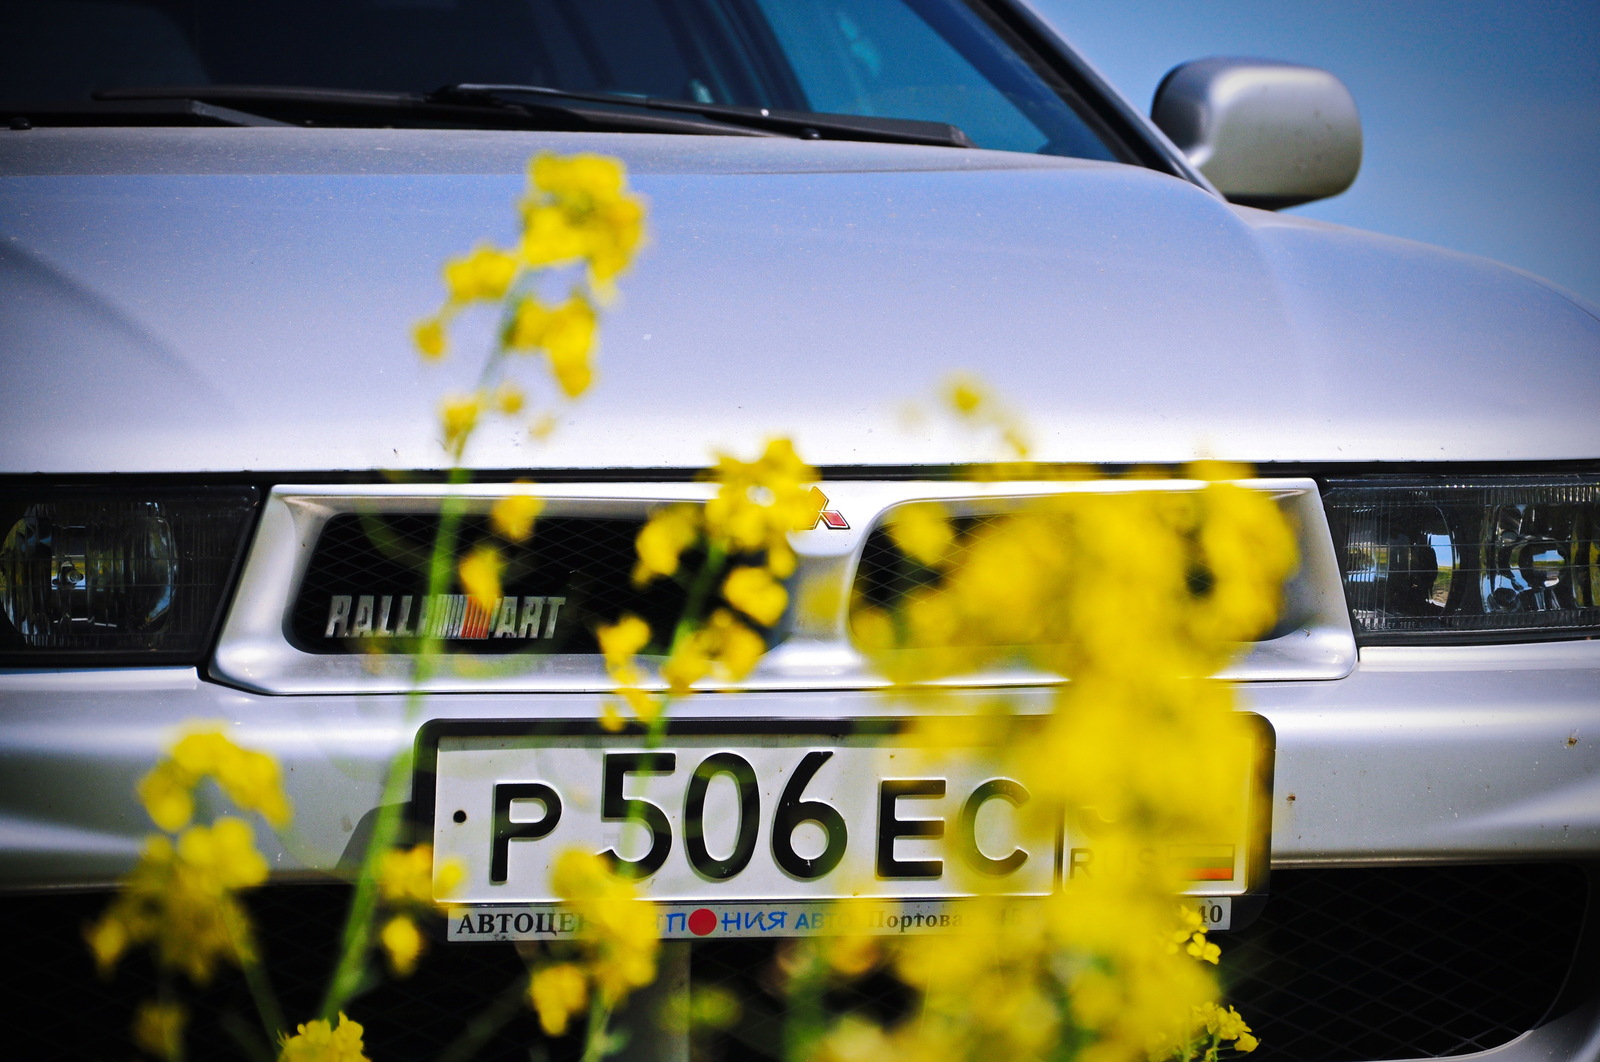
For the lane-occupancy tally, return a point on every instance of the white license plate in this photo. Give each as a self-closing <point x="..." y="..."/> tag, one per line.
<point x="760" y="814"/>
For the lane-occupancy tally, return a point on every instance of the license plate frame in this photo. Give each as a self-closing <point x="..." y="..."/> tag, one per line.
<point x="684" y="889"/>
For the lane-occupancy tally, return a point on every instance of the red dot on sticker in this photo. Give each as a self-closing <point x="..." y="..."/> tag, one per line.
<point x="701" y="922"/>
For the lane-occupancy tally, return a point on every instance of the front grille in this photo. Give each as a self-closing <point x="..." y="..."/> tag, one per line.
<point x="365" y="588"/>
<point x="887" y="576"/>
<point x="1384" y="963"/>
<point x="67" y="1012"/>
<point x="1413" y="962"/>
<point x="1342" y="965"/>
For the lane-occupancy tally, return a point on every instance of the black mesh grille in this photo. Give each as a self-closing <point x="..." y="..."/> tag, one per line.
<point x="886" y="575"/>
<point x="1342" y="965"/>
<point x="365" y="588"/>
<point x="1391" y="963"/>
<point x="1416" y="962"/>
<point x="67" y="1012"/>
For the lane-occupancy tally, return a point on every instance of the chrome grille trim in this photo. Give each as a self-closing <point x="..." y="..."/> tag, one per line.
<point x="255" y="653"/>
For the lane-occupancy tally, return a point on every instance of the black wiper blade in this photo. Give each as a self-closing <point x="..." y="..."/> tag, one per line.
<point x="805" y="124"/>
<point x="336" y="106"/>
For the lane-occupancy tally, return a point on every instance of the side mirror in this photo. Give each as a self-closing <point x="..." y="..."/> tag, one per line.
<point x="1267" y="134"/>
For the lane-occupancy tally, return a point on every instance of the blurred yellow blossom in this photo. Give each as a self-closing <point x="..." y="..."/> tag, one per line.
<point x="402" y="942"/>
<point x="756" y="593"/>
<point x="759" y="502"/>
<point x="580" y="207"/>
<point x="181" y="899"/>
<point x="317" y="1041"/>
<point x="480" y="575"/>
<point x="508" y="398"/>
<point x="662" y="540"/>
<point x="622" y="640"/>
<point x="486" y="273"/>
<point x="458" y="416"/>
<point x="557" y="993"/>
<point x="618" y="929"/>
<point x="923" y="532"/>
<point x="512" y="517"/>
<point x="406" y="877"/>
<point x="250" y="779"/>
<point x="566" y="333"/>
<point x="429" y="336"/>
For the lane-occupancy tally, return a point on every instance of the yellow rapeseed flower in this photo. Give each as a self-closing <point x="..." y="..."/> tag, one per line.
<point x="758" y="503"/>
<point x="662" y="540"/>
<point x="580" y="208"/>
<point x="486" y="273"/>
<point x="181" y="900"/>
<point x="558" y="993"/>
<point x="250" y="779"/>
<point x="509" y="399"/>
<point x="429" y="336"/>
<point x="923" y="532"/>
<point x="405" y="876"/>
<point x="480" y="575"/>
<point x="224" y="852"/>
<point x="756" y="593"/>
<point x="618" y="933"/>
<point x="166" y="793"/>
<point x="512" y="517"/>
<point x="403" y="944"/>
<point x="458" y="416"/>
<point x="622" y="640"/>
<point x="317" y="1041"/>
<point x="965" y="395"/>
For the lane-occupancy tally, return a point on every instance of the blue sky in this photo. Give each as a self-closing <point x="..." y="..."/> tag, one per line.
<point x="1481" y="120"/>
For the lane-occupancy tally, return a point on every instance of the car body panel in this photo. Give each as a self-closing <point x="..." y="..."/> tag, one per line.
<point x="1383" y="766"/>
<point x="800" y="287"/>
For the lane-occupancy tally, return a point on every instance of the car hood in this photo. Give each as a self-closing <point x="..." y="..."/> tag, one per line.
<point x="221" y="300"/>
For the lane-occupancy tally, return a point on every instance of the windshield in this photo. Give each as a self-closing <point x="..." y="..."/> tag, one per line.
<point x="934" y="60"/>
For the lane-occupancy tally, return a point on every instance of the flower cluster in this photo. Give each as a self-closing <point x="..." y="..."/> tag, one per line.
<point x="578" y="211"/>
<point x="320" y="1041"/>
<point x="249" y="779"/>
<point x="742" y="538"/>
<point x="1136" y="597"/>
<point x="615" y="950"/>
<point x="409" y="888"/>
<point x="181" y="898"/>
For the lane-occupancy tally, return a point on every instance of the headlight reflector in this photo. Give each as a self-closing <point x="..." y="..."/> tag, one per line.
<point x="136" y="576"/>
<point x="1510" y="558"/>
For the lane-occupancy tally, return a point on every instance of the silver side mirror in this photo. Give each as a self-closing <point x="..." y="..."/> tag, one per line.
<point x="1267" y="134"/>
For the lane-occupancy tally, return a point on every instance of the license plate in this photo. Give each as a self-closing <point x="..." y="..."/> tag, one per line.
<point x="724" y="813"/>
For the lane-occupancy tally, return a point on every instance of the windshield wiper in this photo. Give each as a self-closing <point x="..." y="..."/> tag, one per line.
<point x="804" y="124"/>
<point x="330" y="106"/>
<point x="537" y="106"/>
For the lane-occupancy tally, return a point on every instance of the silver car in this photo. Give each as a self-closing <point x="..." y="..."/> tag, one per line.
<point x="217" y="223"/>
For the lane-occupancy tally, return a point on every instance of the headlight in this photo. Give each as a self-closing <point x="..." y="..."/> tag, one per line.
<point x="1507" y="558"/>
<point x="107" y="576"/>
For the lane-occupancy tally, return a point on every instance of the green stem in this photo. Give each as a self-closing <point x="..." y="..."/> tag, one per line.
<point x="596" y="1034"/>
<point x="245" y="1037"/>
<point x="256" y="979"/>
<point x="350" y="974"/>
